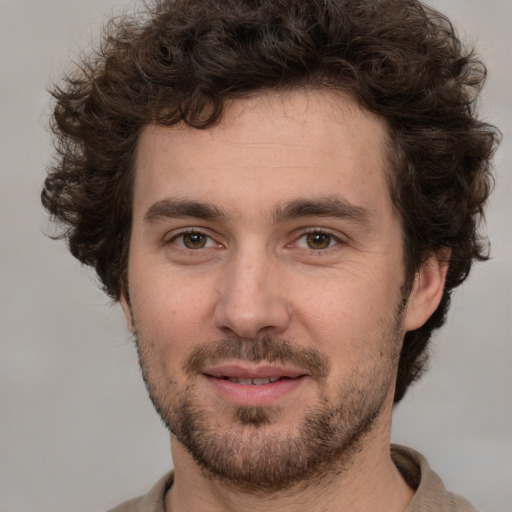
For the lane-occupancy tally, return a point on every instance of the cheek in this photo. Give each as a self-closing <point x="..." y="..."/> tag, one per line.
<point x="348" y="317"/>
<point x="171" y="316"/>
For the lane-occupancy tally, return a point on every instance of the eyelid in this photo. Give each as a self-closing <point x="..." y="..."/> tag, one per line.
<point x="171" y="237"/>
<point x="337" y="238"/>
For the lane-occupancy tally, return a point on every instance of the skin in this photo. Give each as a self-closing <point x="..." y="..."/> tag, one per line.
<point x="255" y="264"/>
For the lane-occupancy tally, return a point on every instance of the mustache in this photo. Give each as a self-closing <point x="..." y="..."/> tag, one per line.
<point x="268" y="348"/>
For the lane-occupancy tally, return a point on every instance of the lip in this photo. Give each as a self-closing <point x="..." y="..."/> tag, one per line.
<point x="252" y="372"/>
<point x="251" y="395"/>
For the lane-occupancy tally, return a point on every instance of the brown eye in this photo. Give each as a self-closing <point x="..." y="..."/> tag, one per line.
<point x="318" y="240"/>
<point x="194" y="240"/>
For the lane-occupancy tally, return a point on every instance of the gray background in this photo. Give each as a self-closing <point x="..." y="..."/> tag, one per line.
<point x="77" y="431"/>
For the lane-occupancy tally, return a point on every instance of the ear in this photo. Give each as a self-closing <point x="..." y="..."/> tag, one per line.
<point x="127" y="312"/>
<point x="427" y="289"/>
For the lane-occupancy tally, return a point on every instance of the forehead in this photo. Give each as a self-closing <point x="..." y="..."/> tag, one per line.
<point x="267" y="149"/>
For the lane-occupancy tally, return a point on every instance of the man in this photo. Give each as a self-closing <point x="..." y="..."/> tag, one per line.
<point x="282" y="195"/>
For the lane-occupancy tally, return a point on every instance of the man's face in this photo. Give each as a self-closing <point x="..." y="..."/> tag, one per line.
<point x="266" y="285"/>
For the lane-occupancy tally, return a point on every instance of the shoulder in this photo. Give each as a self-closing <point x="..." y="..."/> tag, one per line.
<point x="153" y="501"/>
<point x="431" y="494"/>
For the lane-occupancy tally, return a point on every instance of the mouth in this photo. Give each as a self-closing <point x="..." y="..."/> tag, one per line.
<point x="252" y="375"/>
<point x="253" y="386"/>
<point x="257" y="381"/>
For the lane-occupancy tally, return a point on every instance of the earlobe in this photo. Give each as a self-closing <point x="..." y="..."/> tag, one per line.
<point x="427" y="289"/>
<point x="127" y="312"/>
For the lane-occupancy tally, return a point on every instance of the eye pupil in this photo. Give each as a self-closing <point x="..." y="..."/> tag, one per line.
<point x="318" y="240"/>
<point x="194" y="240"/>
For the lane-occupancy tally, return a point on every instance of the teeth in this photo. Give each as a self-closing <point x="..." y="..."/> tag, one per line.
<point x="255" y="382"/>
<point x="259" y="382"/>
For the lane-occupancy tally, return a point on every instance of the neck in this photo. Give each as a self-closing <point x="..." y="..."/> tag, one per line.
<point x="369" y="482"/>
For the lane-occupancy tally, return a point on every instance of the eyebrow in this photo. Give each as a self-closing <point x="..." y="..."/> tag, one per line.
<point x="330" y="206"/>
<point x="175" y="208"/>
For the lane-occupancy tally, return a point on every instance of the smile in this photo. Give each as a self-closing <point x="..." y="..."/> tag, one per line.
<point x="253" y="386"/>
<point x="261" y="381"/>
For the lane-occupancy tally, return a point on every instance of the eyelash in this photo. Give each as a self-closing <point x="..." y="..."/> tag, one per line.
<point x="333" y="240"/>
<point x="196" y="232"/>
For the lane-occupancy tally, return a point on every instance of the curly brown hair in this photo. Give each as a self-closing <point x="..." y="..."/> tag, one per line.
<point x="180" y="61"/>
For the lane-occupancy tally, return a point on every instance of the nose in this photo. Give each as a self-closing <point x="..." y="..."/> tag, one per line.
<point x="252" y="300"/>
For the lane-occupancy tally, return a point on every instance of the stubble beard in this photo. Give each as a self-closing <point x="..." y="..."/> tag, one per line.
<point x="245" y="449"/>
<point x="255" y="456"/>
